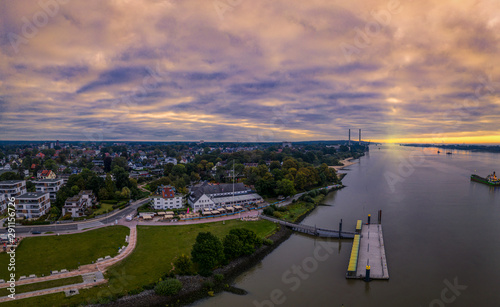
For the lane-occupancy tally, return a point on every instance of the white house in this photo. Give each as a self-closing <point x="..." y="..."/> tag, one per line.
<point x="166" y="198"/>
<point x="171" y="160"/>
<point x="77" y="204"/>
<point x="210" y="196"/>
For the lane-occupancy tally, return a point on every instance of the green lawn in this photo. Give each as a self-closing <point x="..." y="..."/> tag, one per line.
<point x="40" y="255"/>
<point x="296" y="210"/>
<point x="43" y="285"/>
<point x="157" y="246"/>
<point x="105" y="207"/>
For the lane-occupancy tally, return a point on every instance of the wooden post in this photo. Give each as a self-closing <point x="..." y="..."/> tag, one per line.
<point x="380" y="216"/>
<point x="340" y="229"/>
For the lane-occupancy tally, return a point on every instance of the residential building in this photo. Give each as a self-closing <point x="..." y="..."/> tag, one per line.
<point x="46" y="174"/>
<point x="166" y="198"/>
<point x="3" y="204"/>
<point x="98" y="162"/>
<point x="211" y="196"/>
<point x="51" y="186"/>
<point x="32" y="205"/>
<point x="13" y="188"/>
<point x="171" y="160"/>
<point x="77" y="204"/>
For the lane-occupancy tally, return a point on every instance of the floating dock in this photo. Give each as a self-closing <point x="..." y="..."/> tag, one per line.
<point x="368" y="254"/>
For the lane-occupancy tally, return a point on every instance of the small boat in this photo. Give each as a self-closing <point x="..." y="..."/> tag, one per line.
<point x="439" y="151"/>
<point x="490" y="180"/>
<point x="449" y="153"/>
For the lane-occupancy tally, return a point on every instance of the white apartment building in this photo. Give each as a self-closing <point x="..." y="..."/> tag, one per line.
<point x="32" y="205"/>
<point x="49" y="185"/>
<point x="3" y="203"/>
<point x="77" y="204"/>
<point x="13" y="188"/>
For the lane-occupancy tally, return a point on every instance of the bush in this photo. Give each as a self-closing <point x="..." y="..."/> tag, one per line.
<point x="267" y="242"/>
<point x="135" y="291"/>
<point x="268" y="211"/>
<point x="168" y="287"/>
<point x="184" y="265"/>
<point x="277" y="214"/>
<point x="218" y="278"/>
<point x="308" y="199"/>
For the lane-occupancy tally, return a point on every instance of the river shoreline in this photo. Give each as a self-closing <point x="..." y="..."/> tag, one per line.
<point x="193" y="286"/>
<point x="193" y="289"/>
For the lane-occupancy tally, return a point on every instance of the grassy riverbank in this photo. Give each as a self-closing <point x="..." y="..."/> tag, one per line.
<point x="298" y="209"/>
<point x="157" y="247"/>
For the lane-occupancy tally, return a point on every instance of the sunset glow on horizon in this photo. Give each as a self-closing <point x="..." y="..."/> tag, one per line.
<point x="250" y="71"/>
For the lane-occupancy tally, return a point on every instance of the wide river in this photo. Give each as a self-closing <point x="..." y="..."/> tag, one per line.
<point x="441" y="233"/>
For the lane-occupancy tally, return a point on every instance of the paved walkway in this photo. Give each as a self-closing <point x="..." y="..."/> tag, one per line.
<point x="96" y="268"/>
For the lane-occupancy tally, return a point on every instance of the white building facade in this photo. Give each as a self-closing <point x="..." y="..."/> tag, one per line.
<point x="13" y="188"/>
<point x="32" y="205"/>
<point x="51" y="186"/>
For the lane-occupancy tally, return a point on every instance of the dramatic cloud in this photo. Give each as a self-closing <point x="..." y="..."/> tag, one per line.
<point x="250" y="70"/>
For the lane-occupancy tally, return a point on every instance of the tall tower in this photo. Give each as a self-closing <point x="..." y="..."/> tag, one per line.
<point x="359" y="136"/>
<point x="349" y="137"/>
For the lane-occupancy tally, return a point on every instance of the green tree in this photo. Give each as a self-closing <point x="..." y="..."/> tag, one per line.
<point x="301" y="180"/>
<point x="103" y="194"/>
<point x="248" y="239"/>
<point x="285" y="187"/>
<point x="178" y="170"/>
<point x="275" y="165"/>
<point x="207" y="252"/>
<point x="266" y="185"/>
<point x="10" y="176"/>
<point x="290" y="163"/>
<point x="233" y="247"/>
<point x="125" y="192"/>
<point x="110" y="185"/>
<point x="183" y="265"/>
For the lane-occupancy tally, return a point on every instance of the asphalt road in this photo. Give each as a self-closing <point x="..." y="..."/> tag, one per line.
<point x="75" y="226"/>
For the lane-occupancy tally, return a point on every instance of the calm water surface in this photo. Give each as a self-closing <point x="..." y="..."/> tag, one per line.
<point x="438" y="226"/>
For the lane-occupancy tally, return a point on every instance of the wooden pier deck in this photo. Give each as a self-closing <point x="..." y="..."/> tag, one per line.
<point x="312" y="230"/>
<point x="372" y="253"/>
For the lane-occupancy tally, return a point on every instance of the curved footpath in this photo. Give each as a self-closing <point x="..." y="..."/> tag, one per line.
<point x="94" y="270"/>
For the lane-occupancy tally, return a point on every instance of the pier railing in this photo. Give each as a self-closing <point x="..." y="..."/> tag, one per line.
<point x="312" y="230"/>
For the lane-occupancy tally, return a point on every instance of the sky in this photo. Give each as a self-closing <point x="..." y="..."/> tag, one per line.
<point x="241" y="70"/>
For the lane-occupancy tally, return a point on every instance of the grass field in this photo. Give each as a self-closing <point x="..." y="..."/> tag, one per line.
<point x="40" y="255"/>
<point x="157" y="247"/>
<point x="105" y="207"/>
<point x="44" y="285"/>
<point x="296" y="210"/>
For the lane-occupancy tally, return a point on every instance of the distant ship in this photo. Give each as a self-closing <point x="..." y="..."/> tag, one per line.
<point x="448" y="153"/>
<point x="489" y="180"/>
<point x="439" y="151"/>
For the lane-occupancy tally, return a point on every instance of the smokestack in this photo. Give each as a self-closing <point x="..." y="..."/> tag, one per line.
<point x="349" y="137"/>
<point x="360" y="136"/>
